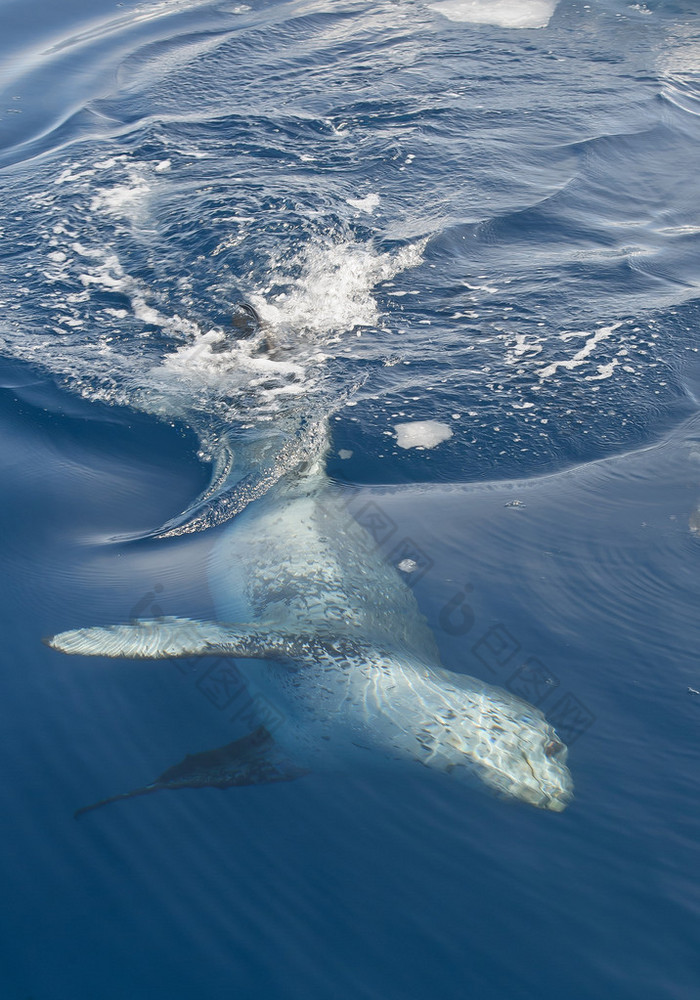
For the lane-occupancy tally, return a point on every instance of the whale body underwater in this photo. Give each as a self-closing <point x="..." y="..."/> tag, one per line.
<point x="331" y="636"/>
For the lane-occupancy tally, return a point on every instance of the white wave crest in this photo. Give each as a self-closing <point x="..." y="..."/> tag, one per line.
<point x="503" y="13"/>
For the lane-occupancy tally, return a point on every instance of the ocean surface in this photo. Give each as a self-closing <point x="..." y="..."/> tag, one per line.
<point x="477" y="218"/>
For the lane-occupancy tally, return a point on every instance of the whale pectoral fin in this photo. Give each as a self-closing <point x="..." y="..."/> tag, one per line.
<point x="159" y="638"/>
<point x="163" y="638"/>
<point x="252" y="760"/>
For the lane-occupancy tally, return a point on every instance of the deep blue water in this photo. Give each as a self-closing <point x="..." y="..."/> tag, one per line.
<point x="484" y="214"/>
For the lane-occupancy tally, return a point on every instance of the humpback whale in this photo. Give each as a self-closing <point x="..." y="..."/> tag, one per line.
<point x="329" y="634"/>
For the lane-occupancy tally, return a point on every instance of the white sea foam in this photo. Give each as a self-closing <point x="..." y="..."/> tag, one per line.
<point x="330" y="298"/>
<point x="581" y="355"/>
<point x="503" y="13"/>
<point x="604" y="371"/>
<point x="119" y="337"/>
<point x="205" y="360"/>
<point x="422" y="433"/>
<point x="334" y="291"/>
<point x="308" y="306"/>
<point x="123" y="200"/>
<point x="366" y="204"/>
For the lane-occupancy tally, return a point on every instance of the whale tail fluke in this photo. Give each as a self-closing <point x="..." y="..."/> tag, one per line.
<point x="230" y="493"/>
<point x="252" y="760"/>
<point x="114" y="798"/>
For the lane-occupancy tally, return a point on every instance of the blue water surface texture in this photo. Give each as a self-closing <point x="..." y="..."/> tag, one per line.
<point x="466" y="235"/>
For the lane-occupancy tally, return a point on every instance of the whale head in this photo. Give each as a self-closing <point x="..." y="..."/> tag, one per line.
<point x="500" y="739"/>
<point x="529" y="764"/>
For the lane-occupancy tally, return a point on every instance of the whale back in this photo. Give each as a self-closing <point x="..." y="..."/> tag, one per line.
<point x="299" y="560"/>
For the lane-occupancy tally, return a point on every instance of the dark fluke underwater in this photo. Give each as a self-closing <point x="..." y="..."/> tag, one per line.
<point x="445" y="254"/>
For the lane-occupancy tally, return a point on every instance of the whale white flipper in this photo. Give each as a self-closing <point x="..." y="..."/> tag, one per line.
<point x="168" y="637"/>
<point x="156" y="639"/>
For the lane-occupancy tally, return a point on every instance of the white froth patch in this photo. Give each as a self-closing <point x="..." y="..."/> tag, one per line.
<point x="407" y="565"/>
<point x="604" y="371"/>
<point x="123" y="201"/>
<point x="582" y="355"/>
<point x="367" y="204"/>
<point x="522" y="346"/>
<point x="204" y="359"/>
<point x="108" y="273"/>
<point x="422" y="434"/>
<point x="503" y="13"/>
<point x="334" y="292"/>
<point x="130" y="199"/>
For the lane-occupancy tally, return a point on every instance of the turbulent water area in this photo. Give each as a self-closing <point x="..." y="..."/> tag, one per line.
<point x="464" y="235"/>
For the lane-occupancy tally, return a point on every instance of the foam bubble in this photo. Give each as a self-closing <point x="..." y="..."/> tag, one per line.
<point x="421" y="433"/>
<point x="407" y="565"/>
<point x="604" y="371"/>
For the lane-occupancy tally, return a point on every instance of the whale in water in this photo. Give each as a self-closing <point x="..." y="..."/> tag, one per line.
<point x="331" y="636"/>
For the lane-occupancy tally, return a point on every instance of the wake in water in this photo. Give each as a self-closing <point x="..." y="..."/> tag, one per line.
<point x="544" y="324"/>
<point x="272" y="379"/>
<point x="256" y="386"/>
